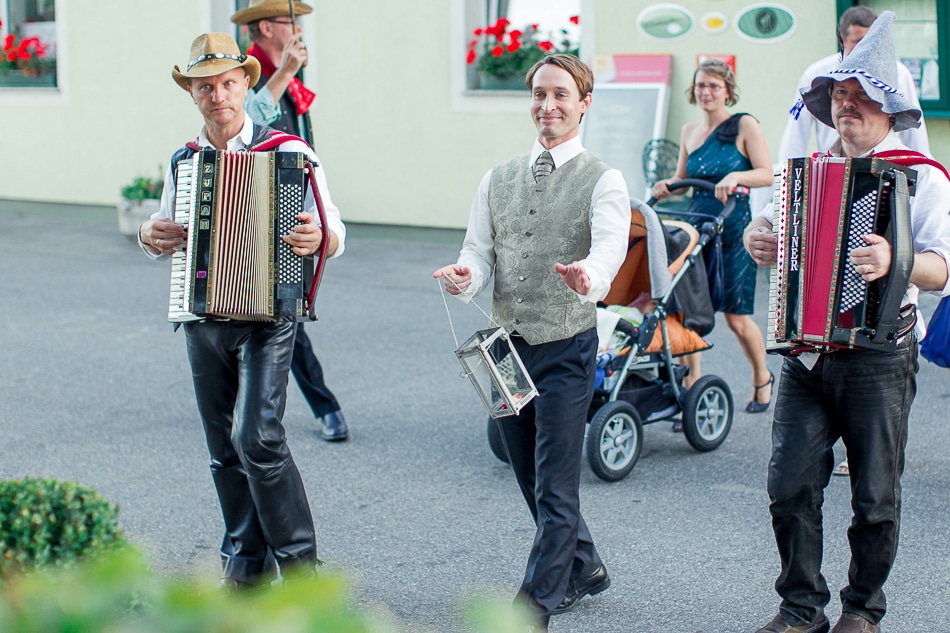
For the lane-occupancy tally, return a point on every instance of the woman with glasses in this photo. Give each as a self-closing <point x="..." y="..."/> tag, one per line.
<point x="727" y="150"/>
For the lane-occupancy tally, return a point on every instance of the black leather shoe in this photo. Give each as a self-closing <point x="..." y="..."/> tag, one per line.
<point x="584" y="586"/>
<point x="232" y="585"/>
<point x="334" y="427"/>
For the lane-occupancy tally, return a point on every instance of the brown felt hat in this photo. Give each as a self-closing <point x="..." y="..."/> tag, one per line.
<point x="263" y="9"/>
<point x="213" y="54"/>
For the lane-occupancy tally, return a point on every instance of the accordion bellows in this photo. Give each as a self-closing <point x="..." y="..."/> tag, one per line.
<point x="823" y="208"/>
<point x="234" y="264"/>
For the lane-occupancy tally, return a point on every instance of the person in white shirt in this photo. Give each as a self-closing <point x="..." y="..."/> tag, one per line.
<point x="552" y="227"/>
<point x="861" y="396"/>
<point x="852" y="26"/>
<point x="240" y="368"/>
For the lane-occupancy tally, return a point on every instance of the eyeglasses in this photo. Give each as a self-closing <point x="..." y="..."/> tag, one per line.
<point x="713" y="88"/>
<point x="279" y="21"/>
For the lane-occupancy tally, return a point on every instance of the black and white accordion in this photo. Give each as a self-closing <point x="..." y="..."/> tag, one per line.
<point x="823" y="206"/>
<point x="233" y="263"/>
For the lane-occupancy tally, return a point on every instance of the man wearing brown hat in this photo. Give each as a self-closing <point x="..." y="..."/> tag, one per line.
<point x="240" y="368"/>
<point x="862" y="396"/>
<point x="276" y="39"/>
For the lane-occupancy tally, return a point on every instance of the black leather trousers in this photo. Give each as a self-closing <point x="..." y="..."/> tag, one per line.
<point x="240" y="371"/>
<point x="863" y="397"/>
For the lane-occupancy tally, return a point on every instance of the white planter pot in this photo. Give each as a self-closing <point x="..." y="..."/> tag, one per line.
<point x="132" y="213"/>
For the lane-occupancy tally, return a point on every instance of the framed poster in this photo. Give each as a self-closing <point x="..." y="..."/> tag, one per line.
<point x="629" y="109"/>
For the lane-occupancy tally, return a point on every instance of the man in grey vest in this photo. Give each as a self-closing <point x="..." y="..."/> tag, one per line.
<point x="552" y="226"/>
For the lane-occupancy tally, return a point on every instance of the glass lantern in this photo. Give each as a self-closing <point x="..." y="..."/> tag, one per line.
<point x="503" y="384"/>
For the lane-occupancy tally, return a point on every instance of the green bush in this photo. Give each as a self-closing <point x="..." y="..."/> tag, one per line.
<point x="117" y="592"/>
<point x="143" y="188"/>
<point x="45" y="522"/>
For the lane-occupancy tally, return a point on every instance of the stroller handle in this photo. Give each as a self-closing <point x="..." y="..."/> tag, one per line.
<point x="715" y="221"/>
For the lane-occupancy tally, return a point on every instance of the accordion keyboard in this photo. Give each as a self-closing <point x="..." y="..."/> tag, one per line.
<point x="180" y="282"/>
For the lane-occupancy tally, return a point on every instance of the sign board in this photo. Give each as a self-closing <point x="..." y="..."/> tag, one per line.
<point x="629" y="109"/>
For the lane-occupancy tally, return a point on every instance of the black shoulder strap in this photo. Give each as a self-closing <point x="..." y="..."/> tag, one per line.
<point x="728" y="130"/>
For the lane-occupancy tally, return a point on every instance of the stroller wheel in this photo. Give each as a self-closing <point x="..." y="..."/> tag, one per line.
<point x="495" y="442"/>
<point x="614" y="440"/>
<point x="707" y="413"/>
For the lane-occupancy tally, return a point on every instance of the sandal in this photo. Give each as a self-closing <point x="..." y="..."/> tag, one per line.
<point x="842" y="469"/>
<point x="758" y="407"/>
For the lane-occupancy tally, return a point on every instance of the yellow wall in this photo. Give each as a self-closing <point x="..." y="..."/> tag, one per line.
<point x="400" y="141"/>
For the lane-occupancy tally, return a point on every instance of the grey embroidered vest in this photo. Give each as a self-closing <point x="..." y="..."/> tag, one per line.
<point x="536" y="225"/>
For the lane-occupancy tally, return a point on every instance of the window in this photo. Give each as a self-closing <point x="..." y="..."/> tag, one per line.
<point x="499" y="61"/>
<point x="28" y="42"/>
<point x="922" y="39"/>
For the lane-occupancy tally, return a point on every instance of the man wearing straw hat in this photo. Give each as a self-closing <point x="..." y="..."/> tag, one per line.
<point x="551" y="226"/>
<point x="240" y="368"/>
<point x="275" y="34"/>
<point x="862" y="396"/>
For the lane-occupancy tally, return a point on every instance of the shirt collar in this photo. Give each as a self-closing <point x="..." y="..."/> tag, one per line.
<point x="237" y="143"/>
<point x="561" y="153"/>
<point x="888" y="143"/>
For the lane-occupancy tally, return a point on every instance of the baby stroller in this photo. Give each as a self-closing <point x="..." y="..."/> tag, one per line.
<point x="658" y="308"/>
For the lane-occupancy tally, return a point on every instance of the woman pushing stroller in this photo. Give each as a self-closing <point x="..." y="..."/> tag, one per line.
<point x="728" y="150"/>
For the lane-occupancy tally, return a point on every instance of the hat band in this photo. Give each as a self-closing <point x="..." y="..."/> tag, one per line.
<point x="204" y="58"/>
<point x="874" y="82"/>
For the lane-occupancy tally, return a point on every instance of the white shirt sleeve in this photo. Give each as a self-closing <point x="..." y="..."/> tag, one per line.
<point x="609" y="232"/>
<point x="334" y="220"/>
<point x="478" y="247"/>
<point x="930" y="215"/>
<point x="166" y="211"/>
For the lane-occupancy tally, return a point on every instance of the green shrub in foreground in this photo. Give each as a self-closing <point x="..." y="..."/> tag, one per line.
<point x="116" y="592"/>
<point x="47" y="522"/>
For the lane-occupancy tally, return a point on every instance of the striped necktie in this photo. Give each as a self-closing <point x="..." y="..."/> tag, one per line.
<point x="543" y="166"/>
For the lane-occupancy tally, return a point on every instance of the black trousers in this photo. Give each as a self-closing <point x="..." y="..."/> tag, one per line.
<point x="545" y="443"/>
<point x="240" y="371"/>
<point x="309" y="376"/>
<point x="863" y="397"/>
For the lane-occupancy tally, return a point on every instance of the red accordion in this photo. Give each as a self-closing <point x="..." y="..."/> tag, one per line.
<point x="823" y="208"/>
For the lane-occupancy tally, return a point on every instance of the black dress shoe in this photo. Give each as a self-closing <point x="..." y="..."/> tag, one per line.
<point x="334" y="427"/>
<point x="589" y="585"/>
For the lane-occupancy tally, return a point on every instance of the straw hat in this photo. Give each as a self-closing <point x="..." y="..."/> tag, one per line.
<point x="213" y="54"/>
<point x="261" y="9"/>
<point x="873" y="62"/>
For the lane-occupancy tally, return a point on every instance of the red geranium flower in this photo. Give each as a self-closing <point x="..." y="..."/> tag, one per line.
<point x="575" y="19"/>
<point x="497" y="51"/>
<point x="515" y="45"/>
<point x="515" y="34"/>
<point x="470" y="59"/>
<point x="546" y="46"/>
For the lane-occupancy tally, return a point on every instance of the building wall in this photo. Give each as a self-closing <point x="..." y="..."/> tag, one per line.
<point x="400" y="140"/>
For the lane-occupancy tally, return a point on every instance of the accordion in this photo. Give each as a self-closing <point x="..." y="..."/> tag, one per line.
<point x="823" y="207"/>
<point x="233" y="263"/>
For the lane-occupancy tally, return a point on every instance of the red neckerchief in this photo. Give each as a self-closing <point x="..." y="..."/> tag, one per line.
<point x="301" y="96"/>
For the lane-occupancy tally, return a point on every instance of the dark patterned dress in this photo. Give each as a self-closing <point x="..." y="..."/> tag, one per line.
<point x="711" y="161"/>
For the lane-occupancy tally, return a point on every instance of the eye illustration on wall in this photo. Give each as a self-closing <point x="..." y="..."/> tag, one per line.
<point x="666" y="21"/>
<point x="765" y="23"/>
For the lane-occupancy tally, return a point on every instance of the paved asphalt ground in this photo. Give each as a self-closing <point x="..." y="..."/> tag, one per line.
<point x="95" y="387"/>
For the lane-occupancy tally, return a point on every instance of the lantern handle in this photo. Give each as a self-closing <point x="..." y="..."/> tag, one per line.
<point x="449" y="314"/>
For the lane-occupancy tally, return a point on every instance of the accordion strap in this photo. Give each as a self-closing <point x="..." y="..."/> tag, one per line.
<point x="909" y="158"/>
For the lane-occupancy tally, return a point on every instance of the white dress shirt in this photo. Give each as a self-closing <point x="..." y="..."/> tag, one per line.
<point x="240" y="142"/>
<point x="609" y="228"/>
